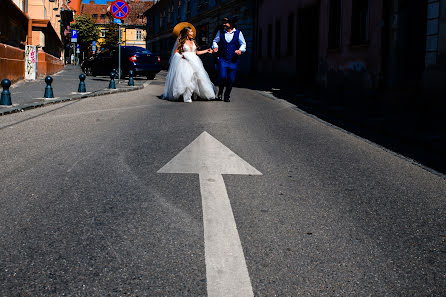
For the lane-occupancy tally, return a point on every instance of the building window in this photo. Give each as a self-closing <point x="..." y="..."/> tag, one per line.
<point x="334" y="27"/>
<point x="170" y="14"/>
<point x="432" y="32"/>
<point x="203" y="35"/>
<point x="94" y="16"/>
<point x="103" y="32"/>
<point x="102" y="16"/>
<point x="202" y="5"/>
<point x="269" y="49"/>
<point x="360" y="22"/>
<point x="291" y="34"/>
<point x="138" y="35"/>
<point x="188" y="9"/>
<point x="278" y="39"/>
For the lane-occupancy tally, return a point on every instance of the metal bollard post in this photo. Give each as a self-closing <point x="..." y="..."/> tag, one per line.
<point x="131" y="81"/>
<point x="48" y="88"/>
<point x="82" y="88"/>
<point x="112" y="85"/>
<point x="6" y="95"/>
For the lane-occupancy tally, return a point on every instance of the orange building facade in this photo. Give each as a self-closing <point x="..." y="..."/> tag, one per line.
<point x="37" y="23"/>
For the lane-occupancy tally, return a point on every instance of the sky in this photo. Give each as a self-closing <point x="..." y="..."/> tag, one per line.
<point x="99" y="1"/>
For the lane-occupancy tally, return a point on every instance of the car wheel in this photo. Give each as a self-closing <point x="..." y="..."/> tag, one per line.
<point x="87" y="71"/>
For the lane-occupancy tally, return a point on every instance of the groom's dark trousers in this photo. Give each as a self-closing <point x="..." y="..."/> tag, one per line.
<point x="227" y="62"/>
<point x="226" y="73"/>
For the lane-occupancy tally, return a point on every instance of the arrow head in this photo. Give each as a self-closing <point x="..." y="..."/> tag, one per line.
<point x="207" y="155"/>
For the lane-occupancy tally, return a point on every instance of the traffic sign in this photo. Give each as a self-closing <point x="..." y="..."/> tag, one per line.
<point x="73" y="35"/>
<point x="117" y="21"/>
<point x="119" y="9"/>
<point x="94" y="43"/>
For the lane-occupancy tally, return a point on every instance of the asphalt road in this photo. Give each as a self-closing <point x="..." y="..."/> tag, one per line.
<point x="84" y="211"/>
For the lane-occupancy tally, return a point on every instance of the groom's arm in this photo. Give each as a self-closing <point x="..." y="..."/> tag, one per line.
<point x="215" y="42"/>
<point x="242" y="41"/>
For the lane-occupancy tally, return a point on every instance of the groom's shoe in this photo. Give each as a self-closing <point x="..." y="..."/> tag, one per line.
<point x="220" y="97"/>
<point x="227" y="99"/>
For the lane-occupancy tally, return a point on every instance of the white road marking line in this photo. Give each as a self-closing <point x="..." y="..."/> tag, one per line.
<point x="226" y="270"/>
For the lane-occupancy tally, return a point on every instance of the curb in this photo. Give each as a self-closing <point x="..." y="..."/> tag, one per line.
<point x="22" y="107"/>
<point x="410" y="160"/>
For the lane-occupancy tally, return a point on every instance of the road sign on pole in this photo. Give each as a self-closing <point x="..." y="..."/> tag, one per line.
<point x="119" y="9"/>
<point x="73" y="35"/>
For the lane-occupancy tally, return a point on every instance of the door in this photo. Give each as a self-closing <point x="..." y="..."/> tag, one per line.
<point x="307" y="43"/>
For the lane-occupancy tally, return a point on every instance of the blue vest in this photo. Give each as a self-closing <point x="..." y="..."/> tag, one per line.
<point x="226" y="49"/>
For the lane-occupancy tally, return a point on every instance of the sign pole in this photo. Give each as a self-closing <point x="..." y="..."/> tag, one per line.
<point x="119" y="55"/>
<point x="120" y="10"/>
<point x="74" y="40"/>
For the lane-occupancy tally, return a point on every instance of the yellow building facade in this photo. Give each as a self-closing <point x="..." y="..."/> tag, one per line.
<point x="133" y="28"/>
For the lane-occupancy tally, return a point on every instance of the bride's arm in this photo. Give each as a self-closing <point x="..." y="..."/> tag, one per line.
<point x="177" y="51"/>
<point x="204" y="51"/>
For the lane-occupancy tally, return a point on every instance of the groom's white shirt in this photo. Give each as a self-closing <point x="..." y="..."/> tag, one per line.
<point x="228" y="37"/>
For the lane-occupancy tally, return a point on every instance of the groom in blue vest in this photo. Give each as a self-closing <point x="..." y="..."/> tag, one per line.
<point x="229" y="44"/>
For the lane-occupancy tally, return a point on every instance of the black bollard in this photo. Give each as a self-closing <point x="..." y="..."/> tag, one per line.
<point x="82" y="88"/>
<point x="48" y="88"/>
<point x="112" y="85"/>
<point x="131" y="81"/>
<point x="6" y="95"/>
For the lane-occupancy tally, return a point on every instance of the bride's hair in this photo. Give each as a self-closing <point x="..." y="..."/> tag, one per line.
<point x="183" y="38"/>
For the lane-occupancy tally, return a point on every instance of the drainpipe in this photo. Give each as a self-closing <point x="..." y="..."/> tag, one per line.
<point x="30" y="31"/>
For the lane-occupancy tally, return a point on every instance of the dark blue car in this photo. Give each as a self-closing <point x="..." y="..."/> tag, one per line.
<point x="135" y="58"/>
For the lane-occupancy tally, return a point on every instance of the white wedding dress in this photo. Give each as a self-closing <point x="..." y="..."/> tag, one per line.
<point x="187" y="77"/>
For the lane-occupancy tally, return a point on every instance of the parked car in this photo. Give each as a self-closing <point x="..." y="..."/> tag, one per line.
<point x="135" y="58"/>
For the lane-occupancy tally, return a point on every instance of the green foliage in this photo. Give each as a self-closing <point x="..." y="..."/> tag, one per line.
<point x="111" y="36"/>
<point x="87" y="32"/>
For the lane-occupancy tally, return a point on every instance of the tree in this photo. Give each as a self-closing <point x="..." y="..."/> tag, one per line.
<point x="111" y="36"/>
<point x="87" y="32"/>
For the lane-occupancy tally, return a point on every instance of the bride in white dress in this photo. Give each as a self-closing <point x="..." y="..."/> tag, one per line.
<point x="186" y="75"/>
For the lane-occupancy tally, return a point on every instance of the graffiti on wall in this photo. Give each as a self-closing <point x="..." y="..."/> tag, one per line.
<point x="31" y="62"/>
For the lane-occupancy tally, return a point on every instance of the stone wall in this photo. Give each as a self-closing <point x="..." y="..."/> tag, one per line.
<point x="48" y="64"/>
<point x="12" y="63"/>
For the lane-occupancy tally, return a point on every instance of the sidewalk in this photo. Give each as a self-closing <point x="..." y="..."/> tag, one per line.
<point x="29" y="94"/>
<point x="394" y="120"/>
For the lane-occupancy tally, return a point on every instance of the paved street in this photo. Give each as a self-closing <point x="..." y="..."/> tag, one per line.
<point x="128" y="194"/>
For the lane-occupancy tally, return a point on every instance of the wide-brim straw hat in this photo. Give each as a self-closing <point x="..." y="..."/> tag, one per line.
<point x="180" y="26"/>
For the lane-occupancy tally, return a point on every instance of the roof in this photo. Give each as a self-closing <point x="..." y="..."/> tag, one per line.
<point x="136" y="13"/>
<point x="135" y="17"/>
<point x="99" y="10"/>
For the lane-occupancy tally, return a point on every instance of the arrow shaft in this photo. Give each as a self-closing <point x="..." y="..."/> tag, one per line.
<point x="226" y="271"/>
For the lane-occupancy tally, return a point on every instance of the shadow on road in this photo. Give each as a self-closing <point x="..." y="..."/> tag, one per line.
<point x="397" y="120"/>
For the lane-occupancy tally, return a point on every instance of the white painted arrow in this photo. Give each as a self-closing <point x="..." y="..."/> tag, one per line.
<point x="226" y="271"/>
